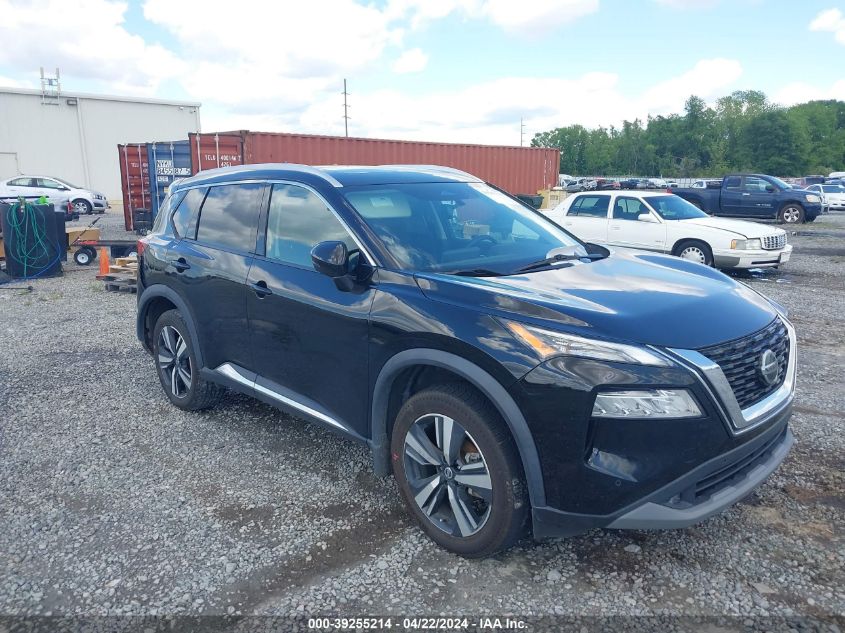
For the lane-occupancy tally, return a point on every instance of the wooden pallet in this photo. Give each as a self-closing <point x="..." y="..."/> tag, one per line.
<point x="123" y="270"/>
<point x="126" y="261"/>
<point x="119" y="283"/>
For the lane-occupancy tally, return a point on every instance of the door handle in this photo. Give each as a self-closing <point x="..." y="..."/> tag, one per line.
<point x="260" y="288"/>
<point x="746" y="194"/>
<point x="180" y="265"/>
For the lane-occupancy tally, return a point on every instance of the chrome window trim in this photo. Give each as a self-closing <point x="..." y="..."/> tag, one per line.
<point x="713" y="379"/>
<point x="229" y="371"/>
<point x="267" y="181"/>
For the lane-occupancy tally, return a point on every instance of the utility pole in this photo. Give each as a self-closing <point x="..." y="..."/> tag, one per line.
<point x="521" y="132"/>
<point x="345" y="110"/>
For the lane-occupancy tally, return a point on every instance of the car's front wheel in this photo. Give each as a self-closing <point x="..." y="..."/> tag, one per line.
<point x="459" y="472"/>
<point x="791" y="214"/>
<point x="178" y="369"/>
<point x="82" y="207"/>
<point x="696" y="251"/>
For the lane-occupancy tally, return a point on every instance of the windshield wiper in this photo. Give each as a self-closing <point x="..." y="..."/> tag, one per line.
<point x="560" y="257"/>
<point x="477" y="272"/>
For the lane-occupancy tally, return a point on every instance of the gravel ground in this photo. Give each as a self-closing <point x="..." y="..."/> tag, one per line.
<point x="113" y="502"/>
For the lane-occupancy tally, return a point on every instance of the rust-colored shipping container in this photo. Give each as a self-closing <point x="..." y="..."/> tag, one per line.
<point x="518" y="170"/>
<point x="210" y="151"/>
<point x="134" y="179"/>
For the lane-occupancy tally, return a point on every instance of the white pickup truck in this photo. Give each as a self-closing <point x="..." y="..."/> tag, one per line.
<point x="665" y="223"/>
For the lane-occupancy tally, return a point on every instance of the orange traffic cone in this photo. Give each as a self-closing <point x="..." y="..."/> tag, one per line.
<point x="104" y="261"/>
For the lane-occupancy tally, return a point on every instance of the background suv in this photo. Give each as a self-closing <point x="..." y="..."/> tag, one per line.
<point x="83" y="201"/>
<point x="510" y="376"/>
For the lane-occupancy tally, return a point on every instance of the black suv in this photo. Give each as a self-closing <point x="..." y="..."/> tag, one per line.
<point x="512" y="377"/>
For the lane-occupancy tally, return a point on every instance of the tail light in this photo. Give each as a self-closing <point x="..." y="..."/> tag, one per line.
<point x="139" y="247"/>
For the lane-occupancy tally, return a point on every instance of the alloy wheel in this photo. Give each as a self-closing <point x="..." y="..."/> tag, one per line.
<point x="791" y="215"/>
<point x="80" y="206"/>
<point x="174" y="361"/>
<point x="448" y="475"/>
<point x="694" y="253"/>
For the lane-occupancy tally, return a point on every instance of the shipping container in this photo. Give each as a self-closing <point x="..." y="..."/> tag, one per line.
<point x="134" y="179"/>
<point x="517" y="170"/>
<point x="168" y="161"/>
<point x="210" y="151"/>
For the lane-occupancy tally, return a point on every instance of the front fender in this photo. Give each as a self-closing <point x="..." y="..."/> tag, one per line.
<point x="481" y="380"/>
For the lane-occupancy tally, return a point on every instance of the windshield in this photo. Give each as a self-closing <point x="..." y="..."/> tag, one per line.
<point x="671" y="207"/>
<point x="833" y="189"/>
<point x="455" y="226"/>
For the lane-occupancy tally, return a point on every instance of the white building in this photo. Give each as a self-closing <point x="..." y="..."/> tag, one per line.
<point x="74" y="136"/>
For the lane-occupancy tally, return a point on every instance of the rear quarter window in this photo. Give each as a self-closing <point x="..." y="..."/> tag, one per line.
<point x="184" y="218"/>
<point x="229" y="216"/>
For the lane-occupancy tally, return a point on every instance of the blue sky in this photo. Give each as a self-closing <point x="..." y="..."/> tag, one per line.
<point x="460" y="70"/>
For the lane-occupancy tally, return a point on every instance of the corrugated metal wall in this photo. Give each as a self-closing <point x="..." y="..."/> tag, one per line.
<point x="514" y="169"/>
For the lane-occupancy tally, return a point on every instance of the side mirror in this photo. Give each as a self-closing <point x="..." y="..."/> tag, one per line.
<point x="770" y="189"/>
<point x="646" y="217"/>
<point x="331" y="259"/>
<point x="64" y="189"/>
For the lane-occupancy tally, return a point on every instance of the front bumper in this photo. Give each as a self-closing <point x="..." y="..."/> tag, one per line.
<point x="658" y="473"/>
<point x="729" y="258"/>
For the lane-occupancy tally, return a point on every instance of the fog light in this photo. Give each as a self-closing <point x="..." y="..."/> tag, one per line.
<point x="658" y="403"/>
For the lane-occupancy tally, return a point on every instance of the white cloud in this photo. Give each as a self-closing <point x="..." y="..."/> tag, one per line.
<point x="8" y="82"/>
<point x="50" y="33"/>
<point x="801" y="92"/>
<point x="709" y="78"/>
<point x="688" y="4"/>
<point x="509" y="15"/>
<point x="411" y="61"/>
<point x="831" y="20"/>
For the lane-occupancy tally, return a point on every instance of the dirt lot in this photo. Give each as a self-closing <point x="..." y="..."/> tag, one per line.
<point x="113" y="502"/>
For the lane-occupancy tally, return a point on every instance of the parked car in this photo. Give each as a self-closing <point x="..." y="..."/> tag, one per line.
<point x="656" y="183"/>
<point x="671" y="183"/>
<point x="575" y="185"/>
<point x="630" y="183"/>
<point x="607" y="183"/>
<point x="510" y="375"/>
<point x="755" y="196"/>
<point x="833" y="196"/>
<point x="59" y="202"/>
<point x="665" y="223"/>
<point x="806" y="181"/>
<point x="85" y="201"/>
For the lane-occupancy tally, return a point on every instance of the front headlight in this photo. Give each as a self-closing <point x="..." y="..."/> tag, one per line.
<point x="811" y="198"/>
<point x="548" y="344"/>
<point x="747" y="245"/>
<point x="657" y="403"/>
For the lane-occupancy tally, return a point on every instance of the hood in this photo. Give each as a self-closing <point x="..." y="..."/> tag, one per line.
<point x="740" y="227"/>
<point x="631" y="297"/>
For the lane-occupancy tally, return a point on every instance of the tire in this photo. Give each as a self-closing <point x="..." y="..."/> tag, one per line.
<point x="82" y="207"/>
<point x="473" y="521"/>
<point x="177" y="367"/>
<point x="83" y="257"/>
<point x="791" y="214"/>
<point x="694" y="250"/>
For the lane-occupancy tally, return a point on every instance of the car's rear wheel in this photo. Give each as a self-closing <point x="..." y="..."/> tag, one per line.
<point x="459" y="472"/>
<point x="696" y="251"/>
<point x="791" y="214"/>
<point x="177" y="366"/>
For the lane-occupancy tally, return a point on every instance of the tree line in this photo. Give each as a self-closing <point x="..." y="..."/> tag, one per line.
<point x="742" y="132"/>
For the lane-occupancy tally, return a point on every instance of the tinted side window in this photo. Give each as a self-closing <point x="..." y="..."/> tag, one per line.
<point x="298" y="220"/>
<point x="732" y="182"/>
<point x="22" y="182"/>
<point x="48" y="184"/>
<point x="183" y="218"/>
<point x="229" y="216"/>
<point x="592" y="206"/>
<point x="165" y="209"/>
<point x="756" y="185"/>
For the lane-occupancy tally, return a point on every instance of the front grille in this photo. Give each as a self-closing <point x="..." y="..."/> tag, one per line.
<point x="728" y="475"/>
<point x="740" y="361"/>
<point x="774" y="242"/>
